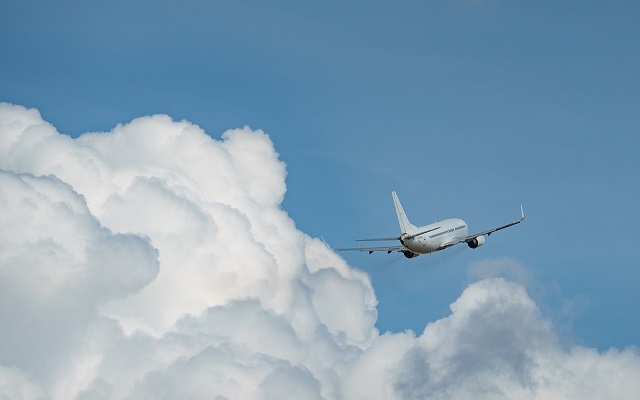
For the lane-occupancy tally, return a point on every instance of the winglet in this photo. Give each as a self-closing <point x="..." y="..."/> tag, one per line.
<point x="521" y="212"/>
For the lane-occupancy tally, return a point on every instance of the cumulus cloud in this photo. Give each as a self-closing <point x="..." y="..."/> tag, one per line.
<point x="153" y="261"/>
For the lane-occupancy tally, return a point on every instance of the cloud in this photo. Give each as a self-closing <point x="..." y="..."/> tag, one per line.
<point x="153" y="261"/>
<point x="58" y="265"/>
<point x="487" y="345"/>
<point x="507" y="268"/>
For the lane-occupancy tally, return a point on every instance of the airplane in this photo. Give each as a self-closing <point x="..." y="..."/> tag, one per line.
<point x="430" y="238"/>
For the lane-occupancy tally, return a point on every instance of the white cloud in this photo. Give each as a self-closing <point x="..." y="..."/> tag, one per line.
<point x="15" y="385"/>
<point x="155" y="262"/>
<point x="56" y="266"/>
<point x="507" y="268"/>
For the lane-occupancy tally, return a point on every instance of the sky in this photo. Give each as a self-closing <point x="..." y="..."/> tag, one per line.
<point x="187" y="161"/>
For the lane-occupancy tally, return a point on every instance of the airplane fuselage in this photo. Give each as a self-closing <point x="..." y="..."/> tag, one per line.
<point x="436" y="237"/>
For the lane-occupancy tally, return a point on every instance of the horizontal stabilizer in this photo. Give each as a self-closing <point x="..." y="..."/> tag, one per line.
<point x="370" y="250"/>
<point x="378" y="239"/>
<point x="420" y="233"/>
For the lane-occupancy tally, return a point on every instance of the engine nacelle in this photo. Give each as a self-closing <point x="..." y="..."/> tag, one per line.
<point x="476" y="242"/>
<point x="410" y="254"/>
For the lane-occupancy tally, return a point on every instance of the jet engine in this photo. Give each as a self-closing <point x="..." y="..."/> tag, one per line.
<point x="476" y="242"/>
<point x="410" y="254"/>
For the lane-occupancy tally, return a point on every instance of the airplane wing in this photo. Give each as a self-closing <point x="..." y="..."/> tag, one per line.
<point x="466" y="239"/>
<point x="388" y="249"/>
<point x="490" y="231"/>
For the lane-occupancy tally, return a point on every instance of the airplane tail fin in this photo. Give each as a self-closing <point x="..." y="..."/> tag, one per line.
<point x="405" y="225"/>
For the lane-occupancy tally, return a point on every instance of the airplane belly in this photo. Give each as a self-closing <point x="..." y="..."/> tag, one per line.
<point x="421" y="246"/>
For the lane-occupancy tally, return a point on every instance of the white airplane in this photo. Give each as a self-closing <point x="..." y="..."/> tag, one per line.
<point x="430" y="238"/>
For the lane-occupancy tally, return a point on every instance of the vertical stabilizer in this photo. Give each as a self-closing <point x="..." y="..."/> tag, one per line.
<point x="405" y="225"/>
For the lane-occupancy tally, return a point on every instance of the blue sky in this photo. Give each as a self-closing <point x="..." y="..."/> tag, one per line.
<point x="465" y="108"/>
